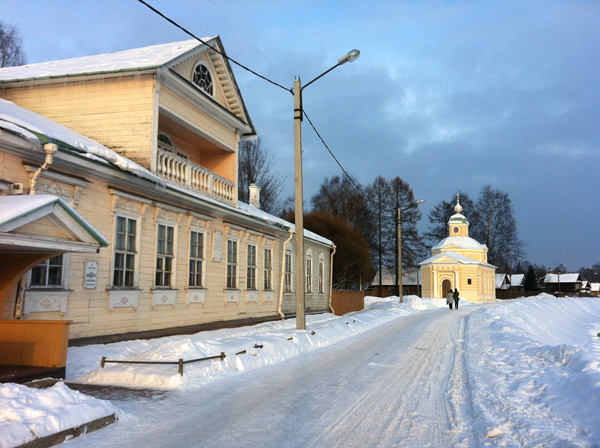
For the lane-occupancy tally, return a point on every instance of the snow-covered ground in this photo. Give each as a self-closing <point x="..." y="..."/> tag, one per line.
<point x="524" y="372"/>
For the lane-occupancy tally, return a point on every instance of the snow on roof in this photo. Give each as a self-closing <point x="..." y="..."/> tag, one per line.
<point x="500" y="280"/>
<point x="464" y="242"/>
<point x="517" y="279"/>
<point x="37" y="129"/>
<point x="14" y="207"/>
<point x="562" y="278"/>
<point x="128" y="60"/>
<point x="460" y="258"/>
<point x="595" y="287"/>
<point x="267" y="217"/>
<point x="409" y="277"/>
<point x="254" y="212"/>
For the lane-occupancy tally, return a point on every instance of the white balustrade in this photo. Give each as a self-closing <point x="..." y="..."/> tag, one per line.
<point x="179" y="170"/>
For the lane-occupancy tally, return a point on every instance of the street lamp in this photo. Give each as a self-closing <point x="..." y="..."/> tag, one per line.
<point x="399" y="265"/>
<point x="299" y="200"/>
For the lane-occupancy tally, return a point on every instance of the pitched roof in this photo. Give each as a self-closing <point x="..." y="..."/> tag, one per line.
<point x="562" y="278"/>
<point x="129" y="60"/>
<point x="453" y="255"/>
<point x="464" y="242"/>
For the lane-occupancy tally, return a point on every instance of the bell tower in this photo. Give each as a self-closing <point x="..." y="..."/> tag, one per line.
<point x="458" y="224"/>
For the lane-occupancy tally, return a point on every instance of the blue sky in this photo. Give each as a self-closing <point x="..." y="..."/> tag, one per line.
<point x="448" y="95"/>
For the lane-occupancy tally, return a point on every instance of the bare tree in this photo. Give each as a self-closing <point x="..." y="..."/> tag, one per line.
<point x="339" y="197"/>
<point x="11" y="53"/>
<point x="496" y="226"/>
<point x="256" y="167"/>
<point x="440" y="215"/>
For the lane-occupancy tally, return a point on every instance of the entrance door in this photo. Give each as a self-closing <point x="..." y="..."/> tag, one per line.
<point x="446" y="288"/>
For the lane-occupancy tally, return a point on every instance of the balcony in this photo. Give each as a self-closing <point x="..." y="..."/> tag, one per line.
<point x="177" y="169"/>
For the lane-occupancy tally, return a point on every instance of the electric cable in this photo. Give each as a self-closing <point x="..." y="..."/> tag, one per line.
<point x="213" y="48"/>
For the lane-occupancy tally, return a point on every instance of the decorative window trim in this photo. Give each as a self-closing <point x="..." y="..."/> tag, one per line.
<point x="165" y="256"/>
<point x="308" y="275"/>
<point x="164" y="296"/>
<point x="196" y="259"/>
<point x="196" y="295"/>
<point x="131" y="204"/>
<point x="78" y="183"/>
<point x="232" y="275"/>
<point x="48" y="298"/>
<point x="123" y="298"/>
<point x="321" y="274"/>
<point x="251" y="269"/>
<point x="288" y="274"/>
<point x="268" y="269"/>
<point x="205" y="70"/>
<point x="138" y="227"/>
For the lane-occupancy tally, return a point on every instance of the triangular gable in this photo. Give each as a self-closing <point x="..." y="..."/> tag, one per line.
<point x="225" y="78"/>
<point x="45" y="223"/>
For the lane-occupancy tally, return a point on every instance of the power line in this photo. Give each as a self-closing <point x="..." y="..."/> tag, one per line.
<point x="215" y="49"/>
<point x="334" y="157"/>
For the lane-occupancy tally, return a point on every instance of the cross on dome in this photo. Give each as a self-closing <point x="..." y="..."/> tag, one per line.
<point x="458" y="208"/>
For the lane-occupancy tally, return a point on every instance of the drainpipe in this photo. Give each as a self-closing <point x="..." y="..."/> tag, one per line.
<point x="331" y="279"/>
<point x="283" y="273"/>
<point x="50" y="149"/>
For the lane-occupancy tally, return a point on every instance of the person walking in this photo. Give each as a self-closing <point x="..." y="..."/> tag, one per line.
<point x="456" y="298"/>
<point x="450" y="299"/>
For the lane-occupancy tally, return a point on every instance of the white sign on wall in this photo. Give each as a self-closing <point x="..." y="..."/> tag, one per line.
<point x="91" y="275"/>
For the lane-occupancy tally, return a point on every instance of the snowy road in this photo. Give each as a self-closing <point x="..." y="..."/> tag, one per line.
<point x="401" y="384"/>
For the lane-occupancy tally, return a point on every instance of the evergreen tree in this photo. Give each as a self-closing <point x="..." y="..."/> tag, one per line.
<point x="530" y="280"/>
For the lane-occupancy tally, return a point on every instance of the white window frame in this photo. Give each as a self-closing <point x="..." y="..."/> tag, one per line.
<point x="135" y="252"/>
<point x="199" y="258"/>
<point x="321" y="274"/>
<point x="309" y="272"/>
<point x="251" y="268"/>
<point x="232" y="264"/>
<point x="170" y="146"/>
<point x="64" y="275"/>
<point x="165" y="256"/>
<point x="210" y="73"/>
<point x="268" y="269"/>
<point x="288" y="277"/>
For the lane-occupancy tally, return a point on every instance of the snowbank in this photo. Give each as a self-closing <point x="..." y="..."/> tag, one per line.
<point x="533" y="365"/>
<point x="27" y="414"/>
<point x="264" y="344"/>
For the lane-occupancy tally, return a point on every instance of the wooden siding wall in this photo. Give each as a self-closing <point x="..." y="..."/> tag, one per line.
<point x="116" y="112"/>
<point x="89" y="308"/>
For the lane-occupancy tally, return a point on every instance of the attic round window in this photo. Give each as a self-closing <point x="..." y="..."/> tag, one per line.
<point x="202" y="78"/>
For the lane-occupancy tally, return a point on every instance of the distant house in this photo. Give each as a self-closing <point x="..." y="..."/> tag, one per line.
<point x="509" y="286"/>
<point x="411" y="282"/>
<point x="595" y="289"/>
<point x="562" y="283"/>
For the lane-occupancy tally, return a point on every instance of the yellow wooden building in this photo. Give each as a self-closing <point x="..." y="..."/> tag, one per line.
<point x="147" y="145"/>
<point x="459" y="262"/>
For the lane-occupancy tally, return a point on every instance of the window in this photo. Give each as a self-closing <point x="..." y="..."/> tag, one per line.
<point x="321" y="275"/>
<point x="202" y="78"/>
<point x="309" y="272"/>
<point x="164" y="255"/>
<point x="469" y="281"/>
<point x="251" y="268"/>
<point x="287" y="279"/>
<point x="268" y="269"/>
<point x="125" y="252"/>
<point x="231" y="264"/>
<point x="196" y="259"/>
<point x="48" y="274"/>
<point x="166" y="144"/>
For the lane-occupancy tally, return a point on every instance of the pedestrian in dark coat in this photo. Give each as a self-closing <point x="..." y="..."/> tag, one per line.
<point x="450" y="299"/>
<point x="456" y="297"/>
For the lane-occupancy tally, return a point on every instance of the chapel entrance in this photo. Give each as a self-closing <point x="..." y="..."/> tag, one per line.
<point x="446" y="288"/>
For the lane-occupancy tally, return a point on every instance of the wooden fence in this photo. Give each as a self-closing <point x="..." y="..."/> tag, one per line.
<point x="343" y="301"/>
